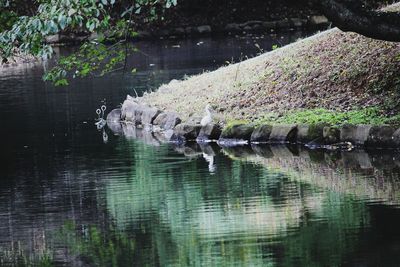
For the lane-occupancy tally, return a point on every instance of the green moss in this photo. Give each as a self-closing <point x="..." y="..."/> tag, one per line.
<point x="371" y="115"/>
<point x="232" y="123"/>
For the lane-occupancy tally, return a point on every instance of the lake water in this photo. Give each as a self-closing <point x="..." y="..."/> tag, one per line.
<point x="68" y="198"/>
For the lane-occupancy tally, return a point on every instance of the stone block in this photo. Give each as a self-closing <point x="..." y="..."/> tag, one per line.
<point x="114" y="115"/>
<point x="331" y="135"/>
<point x="382" y="137"/>
<point x="167" y="120"/>
<point x="188" y="131"/>
<point x="283" y="133"/>
<point x="355" y="134"/>
<point x="194" y="120"/>
<point x="396" y="137"/>
<point x="309" y="132"/>
<point x="128" y="111"/>
<point x="209" y="132"/>
<point x="261" y="134"/>
<point x="149" y="114"/>
<point x="238" y="132"/>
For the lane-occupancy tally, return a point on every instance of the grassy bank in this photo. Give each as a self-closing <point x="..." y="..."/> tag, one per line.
<point x="371" y="115"/>
<point x="333" y="71"/>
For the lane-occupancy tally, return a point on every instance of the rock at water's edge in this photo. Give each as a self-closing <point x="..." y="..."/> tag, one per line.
<point x="396" y="137"/>
<point x="261" y="134"/>
<point x="187" y="131"/>
<point x="309" y="132"/>
<point x="167" y="120"/>
<point x="129" y="110"/>
<point x="114" y="115"/>
<point x="331" y="135"/>
<point x="209" y="132"/>
<point x="283" y="133"/>
<point x="355" y="134"/>
<point x="149" y="114"/>
<point x="238" y="132"/>
<point x="381" y="136"/>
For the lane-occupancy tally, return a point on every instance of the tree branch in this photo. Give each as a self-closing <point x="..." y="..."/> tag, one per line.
<point x="375" y="24"/>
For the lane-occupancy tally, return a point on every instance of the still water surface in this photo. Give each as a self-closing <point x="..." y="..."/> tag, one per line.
<point x="67" y="198"/>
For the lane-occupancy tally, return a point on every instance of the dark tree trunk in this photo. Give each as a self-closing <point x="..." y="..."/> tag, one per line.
<point x="349" y="15"/>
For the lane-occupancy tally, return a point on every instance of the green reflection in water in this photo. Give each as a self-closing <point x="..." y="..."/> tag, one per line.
<point x="169" y="210"/>
<point x="98" y="247"/>
<point x="19" y="258"/>
<point x="243" y="215"/>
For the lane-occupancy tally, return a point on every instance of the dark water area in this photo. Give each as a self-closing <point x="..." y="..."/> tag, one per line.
<point x="68" y="198"/>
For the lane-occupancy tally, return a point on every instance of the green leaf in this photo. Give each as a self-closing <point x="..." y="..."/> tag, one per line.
<point x="90" y="25"/>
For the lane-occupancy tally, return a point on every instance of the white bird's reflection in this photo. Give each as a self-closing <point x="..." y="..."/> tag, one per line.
<point x="211" y="166"/>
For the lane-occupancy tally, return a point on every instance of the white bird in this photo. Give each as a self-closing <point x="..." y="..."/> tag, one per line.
<point x="207" y="119"/>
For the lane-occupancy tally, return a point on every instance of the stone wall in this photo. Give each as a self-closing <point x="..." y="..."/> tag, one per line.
<point x="170" y="127"/>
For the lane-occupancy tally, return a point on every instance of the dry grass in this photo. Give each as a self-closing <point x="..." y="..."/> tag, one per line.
<point x="332" y="70"/>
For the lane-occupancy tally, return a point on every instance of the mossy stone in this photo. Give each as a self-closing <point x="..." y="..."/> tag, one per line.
<point x="239" y="132"/>
<point x="261" y="134"/>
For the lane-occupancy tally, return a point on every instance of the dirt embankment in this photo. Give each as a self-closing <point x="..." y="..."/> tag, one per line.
<point x="332" y="70"/>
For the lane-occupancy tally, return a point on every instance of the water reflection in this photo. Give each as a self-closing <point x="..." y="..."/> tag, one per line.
<point x="240" y="216"/>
